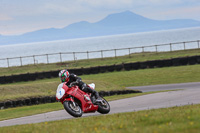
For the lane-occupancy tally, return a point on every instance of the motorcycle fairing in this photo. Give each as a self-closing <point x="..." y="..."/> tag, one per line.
<point x="64" y="93"/>
<point x="87" y="106"/>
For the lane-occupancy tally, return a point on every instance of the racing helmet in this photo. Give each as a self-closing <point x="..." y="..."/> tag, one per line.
<point x="64" y="75"/>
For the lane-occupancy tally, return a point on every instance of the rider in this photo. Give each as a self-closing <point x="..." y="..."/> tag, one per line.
<point x="65" y="76"/>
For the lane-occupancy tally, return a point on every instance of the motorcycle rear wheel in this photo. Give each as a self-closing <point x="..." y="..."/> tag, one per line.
<point x="71" y="109"/>
<point x="103" y="107"/>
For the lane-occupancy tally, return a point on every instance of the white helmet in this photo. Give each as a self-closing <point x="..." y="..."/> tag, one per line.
<point x="64" y="75"/>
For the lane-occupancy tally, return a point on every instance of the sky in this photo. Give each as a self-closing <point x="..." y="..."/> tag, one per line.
<point x="21" y="16"/>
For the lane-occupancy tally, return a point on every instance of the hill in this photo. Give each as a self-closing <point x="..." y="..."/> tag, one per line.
<point x="118" y="23"/>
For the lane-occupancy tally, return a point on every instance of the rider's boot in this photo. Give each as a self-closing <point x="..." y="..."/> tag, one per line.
<point x="94" y="93"/>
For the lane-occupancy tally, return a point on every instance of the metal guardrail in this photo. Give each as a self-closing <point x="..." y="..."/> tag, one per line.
<point x="46" y="57"/>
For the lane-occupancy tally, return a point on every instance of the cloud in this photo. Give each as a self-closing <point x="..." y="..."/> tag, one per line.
<point x="127" y="3"/>
<point x="108" y="3"/>
<point x="27" y="15"/>
<point x="190" y="12"/>
<point x="63" y="8"/>
<point x="4" y="17"/>
<point x="45" y="7"/>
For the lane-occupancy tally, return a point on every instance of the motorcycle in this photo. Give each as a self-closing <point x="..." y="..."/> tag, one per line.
<point x="76" y="102"/>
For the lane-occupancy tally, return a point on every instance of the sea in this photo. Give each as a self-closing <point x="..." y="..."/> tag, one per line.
<point x="96" y="47"/>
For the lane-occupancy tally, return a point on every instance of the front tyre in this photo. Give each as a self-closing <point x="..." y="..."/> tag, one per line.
<point x="104" y="106"/>
<point x="72" y="108"/>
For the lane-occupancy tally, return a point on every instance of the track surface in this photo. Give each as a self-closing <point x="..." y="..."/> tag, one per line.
<point x="189" y="93"/>
<point x="192" y="85"/>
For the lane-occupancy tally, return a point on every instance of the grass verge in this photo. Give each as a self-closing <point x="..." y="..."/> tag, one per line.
<point x="176" y="119"/>
<point x="105" y="81"/>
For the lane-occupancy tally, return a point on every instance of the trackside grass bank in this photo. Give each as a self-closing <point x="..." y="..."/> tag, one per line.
<point x="105" y="81"/>
<point x="183" y="119"/>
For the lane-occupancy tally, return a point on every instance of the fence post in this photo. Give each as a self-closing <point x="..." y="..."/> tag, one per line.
<point x="156" y="48"/>
<point x="8" y="62"/>
<point x="60" y="57"/>
<point x="115" y="53"/>
<point x="47" y="59"/>
<point x="184" y="45"/>
<point x="143" y="49"/>
<point x="170" y="47"/>
<point x="34" y="59"/>
<point x="21" y="60"/>
<point x="129" y="52"/>
<point x="101" y="53"/>
<point x="87" y="55"/>
<point x="74" y="56"/>
<point x="198" y="43"/>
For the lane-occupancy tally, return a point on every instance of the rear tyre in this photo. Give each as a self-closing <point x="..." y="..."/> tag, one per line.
<point x="72" y="108"/>
<point x="103" y="107"/>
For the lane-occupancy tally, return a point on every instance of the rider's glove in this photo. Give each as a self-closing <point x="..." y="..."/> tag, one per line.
<point x="72" y="84"/>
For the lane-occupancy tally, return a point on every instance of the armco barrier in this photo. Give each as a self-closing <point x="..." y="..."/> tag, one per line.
<point x="52" y="99"/>
<point x="102" y="69"/>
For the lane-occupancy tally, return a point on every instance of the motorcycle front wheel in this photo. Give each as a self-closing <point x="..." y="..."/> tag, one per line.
<point x="73" y="108"/>
<point x="103" y="107"/>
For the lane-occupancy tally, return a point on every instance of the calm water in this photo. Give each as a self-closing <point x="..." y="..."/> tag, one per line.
<point x="94" y="44"/>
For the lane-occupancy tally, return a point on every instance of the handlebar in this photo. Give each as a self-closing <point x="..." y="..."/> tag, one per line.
<point x="72" y="84"/>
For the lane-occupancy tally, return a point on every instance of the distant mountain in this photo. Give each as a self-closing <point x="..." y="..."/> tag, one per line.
<point x="118" y="23"/>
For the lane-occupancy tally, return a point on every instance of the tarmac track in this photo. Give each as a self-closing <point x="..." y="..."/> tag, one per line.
<point x="188" y="93"/>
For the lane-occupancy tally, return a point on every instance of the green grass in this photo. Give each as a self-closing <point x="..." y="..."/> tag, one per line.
<point x="177" y="119"/>
<point x="29" y="110"/>
<point x="98" y="62"/>
<point x="105" y="81"/>
<point x="17" y="112"/>
<point x="183" y="119"/>
<point x="28" y="89"/>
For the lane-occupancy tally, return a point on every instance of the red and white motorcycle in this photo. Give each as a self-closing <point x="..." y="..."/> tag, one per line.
<point x="76" y="101"/>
